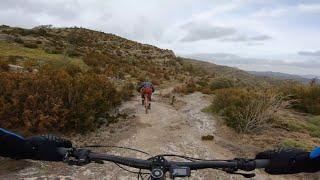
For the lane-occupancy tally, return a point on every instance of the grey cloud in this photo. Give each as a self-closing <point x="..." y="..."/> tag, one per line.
<point x="309" y="7"/>
<point x="62" y="9"/>
<point x="309" y="53"/>
<point x="243" y="38"/>
<point x="196" y="32"/>
<point x="236" y="39"/>
<point x="29" y="13"/>
<point x="254" y="44"/>
<point x="126" y="18"/>
<point x="261" y="38"/>
<point x="213" y="56"/>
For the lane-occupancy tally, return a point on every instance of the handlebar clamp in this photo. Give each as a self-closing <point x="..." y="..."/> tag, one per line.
<point x="159" y="167"/>
<point x="81" y="157"/>
<point x="245" y="164"/>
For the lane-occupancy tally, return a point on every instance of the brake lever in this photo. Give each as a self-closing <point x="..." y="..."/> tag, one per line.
<point x="66" y="157"/>
<point x="243" y="164"/>
<point x="81" y="157"/>
<point x="98" y="161"/>
<point x="246" y="175"/>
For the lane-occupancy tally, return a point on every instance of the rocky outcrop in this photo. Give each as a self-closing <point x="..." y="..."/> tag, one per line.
<point x="6" y="37"/>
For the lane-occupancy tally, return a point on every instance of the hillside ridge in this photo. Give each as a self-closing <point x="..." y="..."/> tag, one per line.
<point x="76" y="44"/>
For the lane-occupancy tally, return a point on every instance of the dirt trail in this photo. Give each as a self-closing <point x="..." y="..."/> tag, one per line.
<point x="164" y="130"/>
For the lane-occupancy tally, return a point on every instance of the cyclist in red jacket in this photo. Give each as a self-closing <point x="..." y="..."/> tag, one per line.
<point x="146" y="88"/>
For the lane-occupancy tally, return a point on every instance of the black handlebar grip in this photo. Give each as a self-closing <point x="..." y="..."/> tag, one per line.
<point x="252" y="164"/>
<point x="262" y="163"/>
<point x="63" y="151"/>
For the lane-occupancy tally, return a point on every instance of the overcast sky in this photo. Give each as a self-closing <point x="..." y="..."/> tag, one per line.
<point x="265" y="35"/>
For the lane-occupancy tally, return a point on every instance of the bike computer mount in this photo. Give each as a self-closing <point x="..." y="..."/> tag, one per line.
<point x="160" y="166"/>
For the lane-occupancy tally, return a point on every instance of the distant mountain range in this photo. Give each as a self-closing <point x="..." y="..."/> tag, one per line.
<point x="300" y="78"/>
<point x="236" y="61"/>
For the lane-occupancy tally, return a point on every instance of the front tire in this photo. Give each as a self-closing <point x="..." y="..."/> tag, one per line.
<point x="146" y="103"/>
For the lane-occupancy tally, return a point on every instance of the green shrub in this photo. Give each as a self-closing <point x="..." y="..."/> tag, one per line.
<point x="55" y="100"/>
<point x="73" y="53"/>
<point x="315" y="121"/>
<point x="4" y="66"/>
<point x="191" y="87"/>
<point x="53" y="50"/>
<point x="206" y="90"/>
<point x="221" y="83"/>
<point x="30" y="45"/>
<point x="24" y="32"/>
<point x="76" y="38"/>
<point x="291" y="143"/>
<point x="207" y="109"/>
<point x="40" y="32"/>
<point x="312" y="126"/>
<point x="127" y="91"/>
<point x="95" y="59"/>
<point x="314" y="130"/>
<point x="18" y="40"/>
<point x="246" y="110"/>
<point x="14" y="59"/>
<point x="181" y="89"/>
<point x="293" y="125"/>
<point x="203" y="82"/>
<point x="305" y="98"/>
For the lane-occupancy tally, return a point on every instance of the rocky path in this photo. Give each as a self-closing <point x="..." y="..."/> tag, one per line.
<point x="165" y="130"/>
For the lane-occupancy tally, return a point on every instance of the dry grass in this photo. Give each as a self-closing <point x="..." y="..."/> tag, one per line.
<point x="292" y="143"/>
<point x="259" y="112"/>
<point x="63" y="99"/>
<point x="245" y="110"/>
<point x="12" y="49"/>
<point x="305" y="98"/>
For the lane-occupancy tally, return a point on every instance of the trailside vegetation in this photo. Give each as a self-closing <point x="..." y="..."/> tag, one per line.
<point x="73" y="79"/>
<point x="56" y="100"/>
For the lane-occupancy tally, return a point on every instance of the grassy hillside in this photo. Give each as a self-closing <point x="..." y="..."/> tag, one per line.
<point x="40" y="44"/>
<point x="233" y="73"/>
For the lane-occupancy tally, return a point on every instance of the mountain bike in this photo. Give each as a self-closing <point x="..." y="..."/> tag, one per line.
<point x="159" y="166"/>
<point x="147" y="104"/>
<point x="145" y="101"/>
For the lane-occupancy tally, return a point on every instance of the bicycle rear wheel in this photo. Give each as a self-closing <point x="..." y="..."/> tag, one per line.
<point x="146" y="103"/>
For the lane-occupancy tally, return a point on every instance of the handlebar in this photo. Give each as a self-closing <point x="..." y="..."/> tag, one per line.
<point x="132" y="162"/>
<point x="127" y="161"/>
<point x="83" y="156"/>
<point x="249" y="165"/>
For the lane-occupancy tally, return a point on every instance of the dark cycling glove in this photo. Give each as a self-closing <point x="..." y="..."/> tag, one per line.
<point x="14" y="146"/>
<point x="44" y="147"/>
<point x="290" y="161"/>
